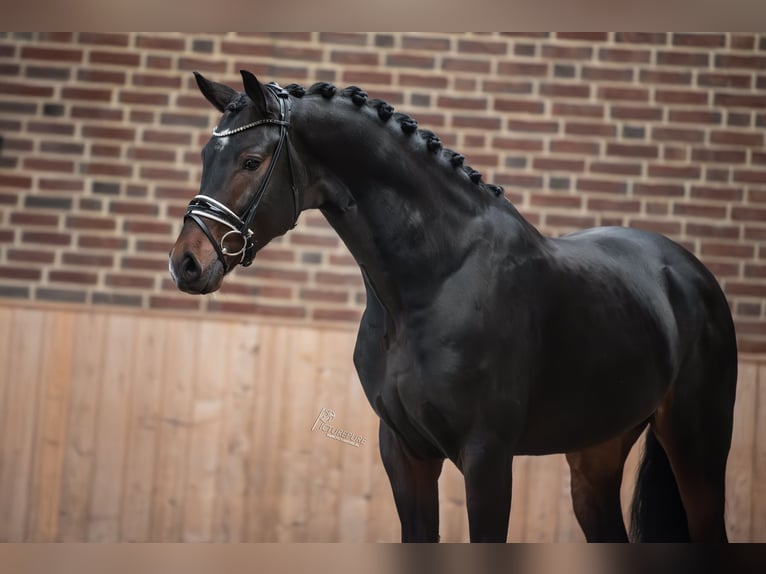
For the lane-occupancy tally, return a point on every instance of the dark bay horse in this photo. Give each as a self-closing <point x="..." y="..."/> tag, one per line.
<point x="482" y="339"/>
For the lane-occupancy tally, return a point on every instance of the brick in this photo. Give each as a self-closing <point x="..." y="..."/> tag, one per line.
<point x="73" y="277"/>
<point x="601" y="185"/>
<point x="571" y="165"/>
<point x="560" y="52"/>
<point x="654" y="38"/>
<point x="507" y="87"/>
<point x="558" y="200"/>
<point x="475" y="122"/>
<point x="466" y="65"/>
<point x="740" y="100"/>
<point x="160" y="43"/>
<point x="685" y="172"/>
<point x="708" y="230"/>
<point x="114" y="58"/>
<point x="482" y="47"/>
<point x="681" y="97"/>
<point x="658" y="189"/>
<point x="10" y="88"/>
<point x="87" y="259"/>
<point x="699" y="40"/>
<point x="86" y="94"/>
<point x="462" y="103"/>
<point x="619" y="205"/>
<point x="127" y="134"/>
<point x="635" y="113"/>
<point x="100" y="39"/>
<point x="677" y="134"/>
<point x="578" y="110"/>
<point x="62" y="295"/>
<point x="354" y="58"/>
<point x="565" y="90"/>
<point x="405" y="60"/>
<point x="670" y="228"/>
<point x="695" y="117"/>
<point x="520" y="69"/>
<point x="615" y="93"/>
<point x="632" y="150"/>
<point x="616" y="168"/>
<point x="718" y="80"/>
<point x="102" y="242"/>
<point x="624" y="55"/>
<point x="51" y="54"/>
<point x="71" y="186"/>
<point x="532" y="126"/>
<point x="699" y="210"/>
<point x="40" y="164"/>
<point x="590" y="129"/>
<point x="729" y="61"/>
<point x="431" y="43"/>
<point x="749" y="176"/>
<point x="143" y="98"/>
<point x="691" y="59"/>
<point x="714" y="155"/>
<point x="665" y="77"/>
<point x="34" y="219"/>
<point x="517" y="144"/>
<point x="736" y="138"/>
<point x="574" y="147"/>
<point x="95" y="113"/>
<point x="45" y="238"/>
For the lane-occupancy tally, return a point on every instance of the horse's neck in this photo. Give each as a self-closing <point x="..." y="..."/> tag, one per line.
<point x="409" y="220"/>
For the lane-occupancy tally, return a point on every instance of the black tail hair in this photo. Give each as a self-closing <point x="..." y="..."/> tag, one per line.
<point x="657" y="513"/>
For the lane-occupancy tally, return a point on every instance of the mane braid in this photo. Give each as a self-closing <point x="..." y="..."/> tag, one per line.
<point x="385" y="112"/>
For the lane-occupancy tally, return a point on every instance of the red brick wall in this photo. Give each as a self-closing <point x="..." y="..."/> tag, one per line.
<point x="101" y="136"/>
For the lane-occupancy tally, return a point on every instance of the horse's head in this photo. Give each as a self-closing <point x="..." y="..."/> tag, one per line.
<point x="248" y="193"/>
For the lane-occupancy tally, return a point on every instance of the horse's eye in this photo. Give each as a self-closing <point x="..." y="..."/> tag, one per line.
<point x="251" y="163"/>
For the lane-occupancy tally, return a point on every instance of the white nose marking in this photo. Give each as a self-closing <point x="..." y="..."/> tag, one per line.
<point x="170" y="268"/>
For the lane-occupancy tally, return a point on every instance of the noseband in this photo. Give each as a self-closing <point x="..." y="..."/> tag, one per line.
<point x="203" y="206"/>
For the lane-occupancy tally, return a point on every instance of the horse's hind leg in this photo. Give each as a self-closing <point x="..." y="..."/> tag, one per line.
<point x="415" y="483"/>
<point x="694" y="426"/>
<point x="596" y="476"/>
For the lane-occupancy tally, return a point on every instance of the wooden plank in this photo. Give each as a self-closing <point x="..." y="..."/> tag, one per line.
<point x="298" y="414"/>
<point x="6" y="378"/>
<point x="20" y="422"/>
<point x="87" y="357"/>
<point x="542" y="499"/>
<point x="142" y="434"/>
<point x="328" y="481"/>
<point x="740" y="465"/>
<point x="55" y="378"/>
<point x="519" y="498"/>
<point x="758" y="526"/>
<point x="233" y="478"/>
<point x="261" y="519"/>
<point x="111" y="429"/>
<point x="568" y="529"/>
<point x="203" y="455"/>
<point x="177" y="394"/>
<point x="453" y="516"/>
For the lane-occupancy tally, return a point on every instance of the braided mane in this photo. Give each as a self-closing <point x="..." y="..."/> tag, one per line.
<point x="407" y="124"/>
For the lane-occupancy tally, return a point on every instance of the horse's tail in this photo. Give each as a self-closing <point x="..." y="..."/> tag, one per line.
<point x="657" y="513"/>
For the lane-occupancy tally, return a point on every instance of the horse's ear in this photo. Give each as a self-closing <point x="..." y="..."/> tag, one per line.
<point x="255" y="91"/>
<point x="217" y="94"/>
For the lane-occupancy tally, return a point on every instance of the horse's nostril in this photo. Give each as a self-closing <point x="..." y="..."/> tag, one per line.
<point x="190" y="269"/>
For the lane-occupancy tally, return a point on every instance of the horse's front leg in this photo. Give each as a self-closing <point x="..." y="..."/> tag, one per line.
<point x="415" y="485"/>
<point x="487" y="468"/>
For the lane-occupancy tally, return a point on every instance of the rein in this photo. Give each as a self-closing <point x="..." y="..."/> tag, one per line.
<point x="204" y="206"/>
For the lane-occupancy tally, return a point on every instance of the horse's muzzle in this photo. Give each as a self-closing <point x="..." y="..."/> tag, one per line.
<point x="190" y="276"/>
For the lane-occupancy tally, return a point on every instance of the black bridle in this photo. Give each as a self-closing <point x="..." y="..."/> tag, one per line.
<point x="203" y="206"/>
